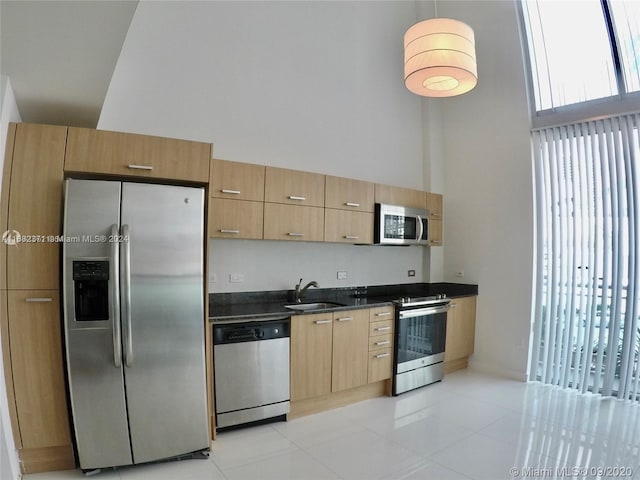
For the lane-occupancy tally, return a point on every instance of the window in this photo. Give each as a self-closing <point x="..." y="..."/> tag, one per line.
<point x="582" y="51"/>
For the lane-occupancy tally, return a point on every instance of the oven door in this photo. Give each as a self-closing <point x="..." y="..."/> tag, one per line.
<point x="420" y="337"/>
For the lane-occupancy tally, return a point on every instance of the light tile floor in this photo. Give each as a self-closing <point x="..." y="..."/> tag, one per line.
<point x="469" y="426"/>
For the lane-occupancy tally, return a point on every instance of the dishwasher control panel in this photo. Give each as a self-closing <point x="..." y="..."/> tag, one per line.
<point x="250" y="331"/>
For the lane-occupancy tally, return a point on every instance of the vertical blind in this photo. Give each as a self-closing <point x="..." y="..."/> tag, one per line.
<point x="587" y="200"/>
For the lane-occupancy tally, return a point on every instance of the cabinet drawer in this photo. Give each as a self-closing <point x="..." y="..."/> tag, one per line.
<point x="235" y="218"/>
<point x="342" y="226"/>
<point x="381" y="313"/>
<point x="127" y="154"/>
<point x="380" y="341"/>
<point x="382" y="327"/>
<point x="293" y="187"/>
<point x="349" y="194"/>
<point x="235" y="180"/>
<point x="380" y="363"/>
<point x="293" y="222"/>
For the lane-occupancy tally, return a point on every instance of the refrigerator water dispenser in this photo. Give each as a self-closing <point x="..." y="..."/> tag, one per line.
<point x="91" y="290"/>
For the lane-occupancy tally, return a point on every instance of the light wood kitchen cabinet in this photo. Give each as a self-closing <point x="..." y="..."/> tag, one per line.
<point x="128" y="154"/>
<point x="434" y="205"/>
<point x="38" y="376"/>
<point x="404" y="197"/>
<point x="35" y="206"/>
<point x="236" y="180"/>
<point x="350" y="349"/>
<point x="294" y="187"/>
<point x="311" y="355"/>
<point x="343" y="226"/>
<point x="235" y="218"/>
<point x="380" y="360"/>
<point x="461" y="328"/>
<point x="293" y="222"/>
<point x="348" y="194"/>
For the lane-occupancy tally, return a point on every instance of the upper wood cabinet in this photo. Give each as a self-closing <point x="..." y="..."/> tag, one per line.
<point x="35" y="206"/>
<point x="235" y="219"/>
<point x="293" y="222"/>
<point x="238" y="181"/>
<point x="434" y="205"/>
<point x="342" y="226"/>
<point x="128" y="154"/>
<point x="349" y="194"/>
<point x="293" y="187"/>
<point x="404" y="197"/>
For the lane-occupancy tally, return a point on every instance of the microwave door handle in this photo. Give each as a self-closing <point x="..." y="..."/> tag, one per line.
<point x="421" y="229"/>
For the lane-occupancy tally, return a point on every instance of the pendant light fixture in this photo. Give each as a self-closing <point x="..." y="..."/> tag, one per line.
<point x="440" y="58"/>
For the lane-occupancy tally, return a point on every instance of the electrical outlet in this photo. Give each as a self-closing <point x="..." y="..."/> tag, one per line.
<point x="411" y="273"/>
<point x="236" y="278"/>
<point x="342" y="275"/>
<point x="460" y="273"/>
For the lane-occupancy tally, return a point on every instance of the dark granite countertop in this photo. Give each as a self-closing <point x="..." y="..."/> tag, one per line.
<point x="248" y="305"/>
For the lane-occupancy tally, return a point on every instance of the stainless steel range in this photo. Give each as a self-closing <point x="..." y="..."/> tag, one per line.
<point x="421" y="329"/>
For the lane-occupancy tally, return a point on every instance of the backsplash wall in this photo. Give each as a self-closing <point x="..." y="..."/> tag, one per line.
<point x="271" y="265"/>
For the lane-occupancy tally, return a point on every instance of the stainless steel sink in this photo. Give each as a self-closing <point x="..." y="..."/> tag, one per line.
<point x="313" y="306"/>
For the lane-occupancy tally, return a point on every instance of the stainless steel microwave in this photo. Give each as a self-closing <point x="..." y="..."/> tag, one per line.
<point x="395" y="225"/>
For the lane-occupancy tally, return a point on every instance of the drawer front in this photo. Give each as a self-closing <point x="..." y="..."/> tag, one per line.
<point x="293" y="222"/>
<point x="235" y="180"/>
<point x="127" y="154"/>
<point x="381" y="313"/>
<point x="380" y="342"/>
<point x="380" y="364"/>
<point x="293" y="187"/>
<point x="382" y="327"/>
<point x="235" y="219"/>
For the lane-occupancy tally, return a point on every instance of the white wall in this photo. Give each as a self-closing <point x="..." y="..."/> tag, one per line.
<point x="314" y="86"/>
<point x="9" y="468"/>
<point x="488" y="186"/>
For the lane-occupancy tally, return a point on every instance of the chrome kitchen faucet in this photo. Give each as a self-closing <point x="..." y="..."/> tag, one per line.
<point x="300" y="291"/>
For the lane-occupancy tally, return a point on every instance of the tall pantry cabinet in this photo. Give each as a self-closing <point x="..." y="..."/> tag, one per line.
<point x="30" y="323"/>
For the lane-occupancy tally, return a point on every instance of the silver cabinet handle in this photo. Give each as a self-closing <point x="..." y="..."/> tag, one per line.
<point x="436" y="242"/>
<point x="295" y="234"/>
<point x="383" y="314"/>
<point x="351" y="237"/>
<point x="351" y="204"/>
<point x="321" y="322"/>
<point x="115" y="297"/>
<point x="39" y="299"/>
<point x="344" y="319"/>
<point x="231" y="192"/>
<point x="436" y="216"/>
<point x="453" y="305"/>
<point x="382" y="329"/>
<point x="224" y="230"/>
<point x="140" y="167"/>
<point x="382" y="355"/>
<point x="386" y="342"/>
<point x="294" y="197"/>
<point x="126" y="288"/>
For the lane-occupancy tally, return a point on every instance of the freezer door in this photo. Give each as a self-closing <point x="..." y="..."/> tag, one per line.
<point x="162" y="319"/>
<point x="96" y="382"/>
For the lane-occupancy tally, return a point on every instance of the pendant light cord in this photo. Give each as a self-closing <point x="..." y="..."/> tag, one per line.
<point x="435" y="6"/>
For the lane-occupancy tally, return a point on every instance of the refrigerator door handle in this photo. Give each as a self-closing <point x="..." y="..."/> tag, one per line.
<point x="115" y="296"/>
<point x="126" y="288"/>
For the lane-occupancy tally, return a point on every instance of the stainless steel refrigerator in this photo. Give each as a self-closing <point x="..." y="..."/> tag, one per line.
<point x="133" y="293"/>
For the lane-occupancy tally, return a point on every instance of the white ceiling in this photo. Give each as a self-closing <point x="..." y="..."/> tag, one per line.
<point x="60" y="56"/>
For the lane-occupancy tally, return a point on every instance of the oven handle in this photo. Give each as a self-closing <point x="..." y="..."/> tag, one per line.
<point x="419" y="312"/>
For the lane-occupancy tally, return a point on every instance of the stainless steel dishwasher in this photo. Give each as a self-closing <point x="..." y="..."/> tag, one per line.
<point x="251" y="367"/>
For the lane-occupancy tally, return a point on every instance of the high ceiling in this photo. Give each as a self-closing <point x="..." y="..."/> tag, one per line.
<point x="60" y="56"/>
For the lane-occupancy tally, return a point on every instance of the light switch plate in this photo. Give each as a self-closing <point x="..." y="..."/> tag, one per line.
<point x="342" y="275"/>
<point x="236" y="278"/>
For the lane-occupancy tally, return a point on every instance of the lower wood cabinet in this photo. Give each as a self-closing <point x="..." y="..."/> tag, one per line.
<point x="350" y="349"/>
<point x="35" y="340"/>
<point x="461" y="328"/>
<point x="380" y="363"/>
